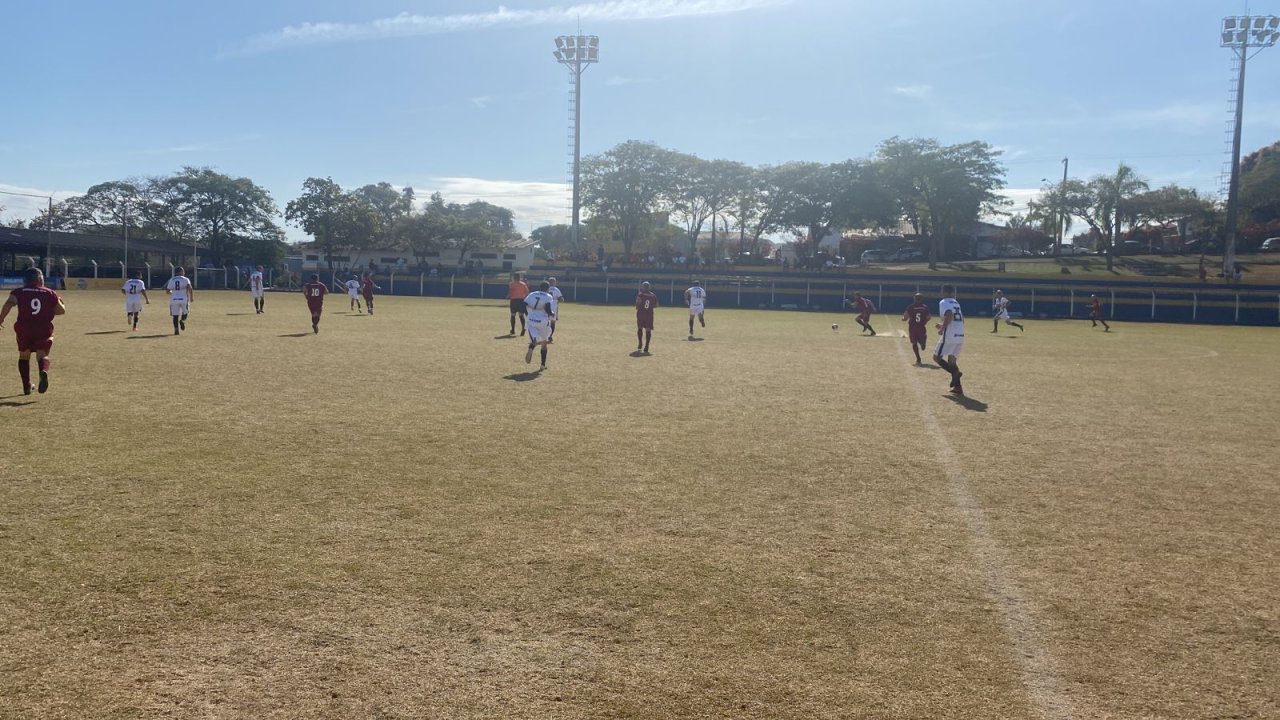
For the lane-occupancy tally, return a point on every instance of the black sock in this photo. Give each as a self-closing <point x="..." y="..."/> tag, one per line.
<point x="24" y="371"/>
<point x="544" y="354"/>
<point x="942" y="363"/>
<point x="175" y="322"/>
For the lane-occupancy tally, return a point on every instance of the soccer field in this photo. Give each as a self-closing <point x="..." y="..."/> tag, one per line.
<point x="395" y="518"/>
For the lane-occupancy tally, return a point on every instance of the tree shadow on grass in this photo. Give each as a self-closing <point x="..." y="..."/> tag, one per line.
<point x="297" y="334"/>
<point x="145" y="337"/>
<point x="523" y="377"/>
<point x="105" y="332"/>
<point x="967" y="403"/>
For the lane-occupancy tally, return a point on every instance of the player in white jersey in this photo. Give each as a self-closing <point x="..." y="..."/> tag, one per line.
<point x="951" y="337"/>
<point x="559" y="298"/>
<point x="541" y="307"/>
<point x="1000" y="311"/>
<point x="180" y="295"/>
<point x="696" y="300"/>
<point x="257" y="289"/>
<point x="134" y="291"/>
<point x="353" y="292"/>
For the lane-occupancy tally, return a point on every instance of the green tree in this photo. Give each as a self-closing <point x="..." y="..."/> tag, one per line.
<point x="757" y="205"/>
<point x="222" y="211"/>
<point x="429" y="231"/>
<point x="554" y="239"/>
<point x="479" y="224"/>
<point x="335" y="219"/>
<point x="626" y="185"/>
<point x="942" y="189"/>
<point x="1259" y="194"/>
<point x="390" y="207"/>
<point x="1170" y="207"/>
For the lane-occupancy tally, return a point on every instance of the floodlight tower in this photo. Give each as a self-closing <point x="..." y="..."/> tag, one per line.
<point x="1242" y="33"/>
<point x="577" y="52"/>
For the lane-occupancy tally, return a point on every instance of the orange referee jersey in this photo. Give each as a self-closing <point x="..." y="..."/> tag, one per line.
<point x="517" y="290"/>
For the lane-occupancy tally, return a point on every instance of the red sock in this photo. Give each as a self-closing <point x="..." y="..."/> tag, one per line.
<point x="24" y="370"/>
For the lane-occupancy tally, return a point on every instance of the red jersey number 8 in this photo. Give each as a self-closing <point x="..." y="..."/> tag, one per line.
<point x="646" y="304"/>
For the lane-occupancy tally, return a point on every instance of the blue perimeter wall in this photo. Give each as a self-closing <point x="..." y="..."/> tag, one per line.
<point x="1126" y="300"/>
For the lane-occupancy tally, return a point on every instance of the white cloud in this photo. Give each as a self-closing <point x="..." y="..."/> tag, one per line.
<point x="618" y="80"/>
<point x="532" y="203"/>
<point x="915" y="92"/>
<point x="26" y="207"/>
<point x="412" y="25"/>
<point x="481" y="101"/>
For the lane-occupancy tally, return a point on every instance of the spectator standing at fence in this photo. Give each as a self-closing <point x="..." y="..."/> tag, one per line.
<point x="1000" y="311"/>
<point x="366" y="289"/>
<point x="558" y="296"/>
<point x="646" y="301"/>
<point x="695" y="298"/>
<point x="314" y="292"/>
<point x="37" y="305"/>
<point x="950" y="337"/>
<point x="1095" y="313"/>
<point x="134" y="291"/>
<point x="257" y="289"/>
<point x="517" y="291"/>
<point x="180" y="295"/>
<point x="917" y="317"/>
<point x="863" y="307"/>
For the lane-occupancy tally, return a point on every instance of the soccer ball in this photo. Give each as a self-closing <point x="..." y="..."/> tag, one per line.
<point x="835" y="326"/>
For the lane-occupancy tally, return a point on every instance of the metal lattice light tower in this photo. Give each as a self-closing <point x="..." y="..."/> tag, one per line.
<point x="577" y="52"/>
<point x="1242" y="33"/>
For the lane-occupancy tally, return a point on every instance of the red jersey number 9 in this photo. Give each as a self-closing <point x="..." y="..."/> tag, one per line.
<point x="35" y="306"/>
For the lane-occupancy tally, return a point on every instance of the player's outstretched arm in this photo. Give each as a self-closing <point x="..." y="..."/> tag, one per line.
<point x="61" y="309"/>
<point x="4" y="311"/>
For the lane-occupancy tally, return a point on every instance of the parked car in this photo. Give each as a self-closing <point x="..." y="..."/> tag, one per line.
<point x="1130" y="247"/>
<point x="1270" y="245"/>
<point x="907" y="255"/>
<point x="1067" y="250"/>
<point x="1011" y="251"/>
<point x="873" y="256"/>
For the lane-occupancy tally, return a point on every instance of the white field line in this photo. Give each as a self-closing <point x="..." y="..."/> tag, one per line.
<point x="1040" y="673"/>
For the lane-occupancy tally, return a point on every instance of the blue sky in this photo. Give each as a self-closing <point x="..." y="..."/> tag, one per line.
<point x="466" y="98"/>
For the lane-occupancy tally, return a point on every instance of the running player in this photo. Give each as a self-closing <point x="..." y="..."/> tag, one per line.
<point x="917" y="316"/>
<point x="864" y="307"/>
<point x="314" y="292"/>
<point x="559" y="297"/>
<point x="516" y="292"/>
<point x="134" y="291"/>
<point x="951" y="337"/>
<point x="37" y="305"/>
<point x="541" y="306"/>
<point x="180" y="295"/>
<point x="695" y="298"/>
<point x="353" y="292"/>
<point x="366" y="289"/>
<point x="256" y="289"/>
<point x="1095" y="313"/>
<point x="1000" y="311"/>
<point x="646" y="301"/>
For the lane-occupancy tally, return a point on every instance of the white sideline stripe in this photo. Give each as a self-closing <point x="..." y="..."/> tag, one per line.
<point x="1039" y="670"/>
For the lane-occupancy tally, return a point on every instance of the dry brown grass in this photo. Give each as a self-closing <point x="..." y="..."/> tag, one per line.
<point x="390" y="520"/>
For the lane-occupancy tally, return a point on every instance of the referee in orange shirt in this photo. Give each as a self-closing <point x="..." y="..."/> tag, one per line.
<point x="516" y="292"/>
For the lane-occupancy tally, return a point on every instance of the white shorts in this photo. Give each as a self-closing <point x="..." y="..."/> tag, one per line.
<point x="949" y="345"/>
<point x="353" y="294"/>
<point x="133" y="305"/>
<point x="257" y="294"/>
<point x="177" y="306"/>
<point x="539" y="330"/>
<point x="696" y="309"/>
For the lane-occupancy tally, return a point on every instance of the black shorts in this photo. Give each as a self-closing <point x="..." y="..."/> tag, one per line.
<point x="518" y="306"/>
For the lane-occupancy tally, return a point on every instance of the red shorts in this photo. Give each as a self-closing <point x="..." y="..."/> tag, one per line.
<point x="644" y="322"/>
<point x="38" y="339"/>
<point x="918" y="334"/>
<point x="315" y="308"/>
<point x="367" y="296"/>
<point x="864" y="317"/>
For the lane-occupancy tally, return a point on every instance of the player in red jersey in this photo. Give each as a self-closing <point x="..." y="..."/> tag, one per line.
<point x="864" y="307"/>
<point x="646" y="301"/>
<point x="37" y="306"/>
<point x="917" y="317"/>
<point x="367" y="287"/>
<point x="1095" y="313"/>
<point x="314" y="292"/>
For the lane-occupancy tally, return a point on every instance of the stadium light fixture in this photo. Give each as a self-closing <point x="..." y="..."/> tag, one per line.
<point x="577" y="52"/>
<point x="1243" y="34"/>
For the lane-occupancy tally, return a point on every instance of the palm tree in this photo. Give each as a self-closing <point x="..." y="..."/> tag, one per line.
<point x="1114" y="193"/>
